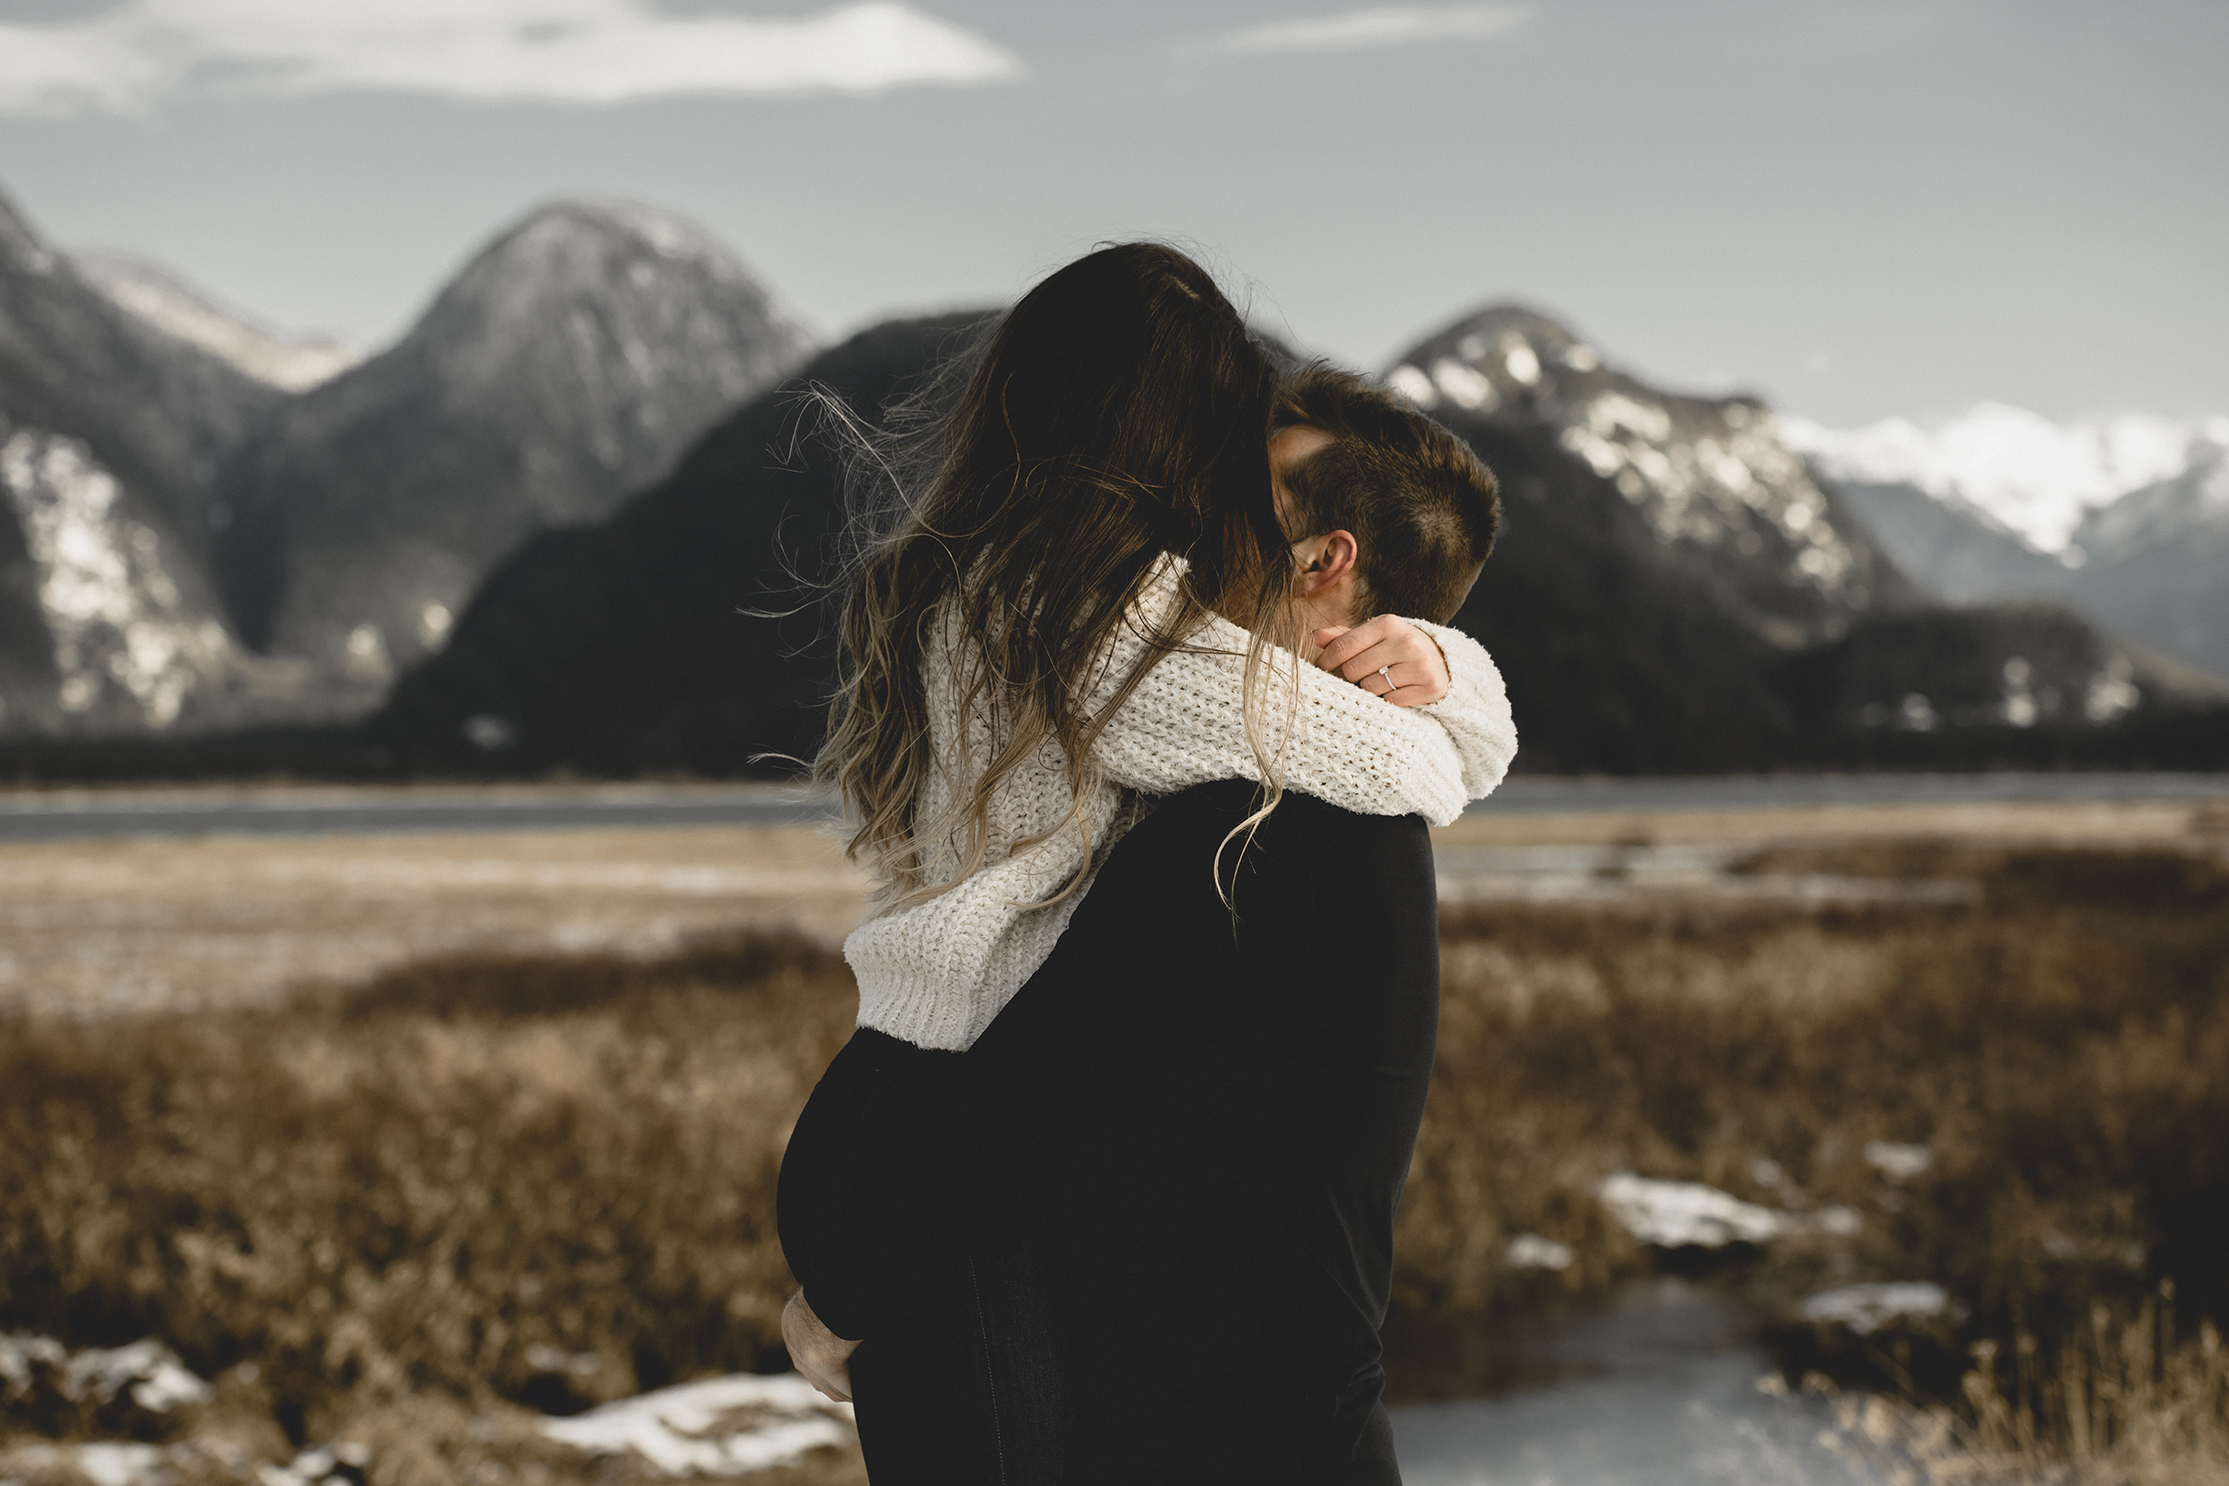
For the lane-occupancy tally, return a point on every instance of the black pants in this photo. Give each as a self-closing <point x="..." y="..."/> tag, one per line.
<point x="976" y="1389"/>
<point x="979" y="1390"/>
<point x="1208" y="1453"/>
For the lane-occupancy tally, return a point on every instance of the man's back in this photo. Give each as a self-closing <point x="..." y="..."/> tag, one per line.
<point x="1228" y="1229"/>
<point x="1213" y="1116"/>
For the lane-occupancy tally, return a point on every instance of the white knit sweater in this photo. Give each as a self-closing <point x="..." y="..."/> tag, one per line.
<point x="936" y="972"/>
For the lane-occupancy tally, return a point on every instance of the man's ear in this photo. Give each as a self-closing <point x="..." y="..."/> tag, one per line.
<point x="1325" y="563"/>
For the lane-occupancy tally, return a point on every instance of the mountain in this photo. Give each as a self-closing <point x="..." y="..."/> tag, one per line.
<point x="2125" y="519"/>
<point x="169" y="304"/>
<point x="111" y="429"/>
<point x="1957" y="552"/>
<point x="625" y="648"/>
<point x="2019" y="470"/>
<point x="2158" y="558"/>
<point x="564" y="369"/>
<point x="684" y="632"/>
<point x="1675" y="591"/>
<point x="1664" y="557"/>
<point x="574" y="513"/>
<point x="1672" y="592"/>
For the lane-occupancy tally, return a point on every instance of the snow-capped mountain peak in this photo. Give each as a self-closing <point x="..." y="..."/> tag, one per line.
<point x="163" y="301"/>
<point x="1710" y="476"/>
<point x="2032" y="477"/>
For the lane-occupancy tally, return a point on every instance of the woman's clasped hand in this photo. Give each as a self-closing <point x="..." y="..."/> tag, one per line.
<point x="1387" y="657"/>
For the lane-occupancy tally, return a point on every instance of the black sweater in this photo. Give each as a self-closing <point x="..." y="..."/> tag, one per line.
<point x="1221" y="1102"/>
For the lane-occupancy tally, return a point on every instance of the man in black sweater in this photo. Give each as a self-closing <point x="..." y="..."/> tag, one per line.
<point x="1142" y="1230"/>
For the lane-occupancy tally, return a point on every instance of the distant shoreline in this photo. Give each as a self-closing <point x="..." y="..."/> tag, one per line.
<point x="294" y="810"/>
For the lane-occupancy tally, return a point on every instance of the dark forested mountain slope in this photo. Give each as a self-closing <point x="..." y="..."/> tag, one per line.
<point x="564" y="369"/>
<point x="1662" y="556"/>
<point x="642" y="643"/>
<point x="1617" y="661"/>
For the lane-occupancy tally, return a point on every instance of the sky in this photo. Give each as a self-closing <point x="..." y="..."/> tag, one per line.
<point x="1857" y="209"/>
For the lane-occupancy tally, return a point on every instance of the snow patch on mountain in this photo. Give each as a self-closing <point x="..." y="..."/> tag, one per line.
<point x="117" y="617"/>
<point x="2190" y="505"/>
<point x="2029" y="476"/>
<point x="1713" y="476"/>
<point x="171" y="306"/>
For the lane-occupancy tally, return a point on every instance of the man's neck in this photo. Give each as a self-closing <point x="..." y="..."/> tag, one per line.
<point x="1316" y="614"/>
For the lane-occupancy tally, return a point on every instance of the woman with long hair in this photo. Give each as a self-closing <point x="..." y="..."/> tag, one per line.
<point x="1073" y="596"/>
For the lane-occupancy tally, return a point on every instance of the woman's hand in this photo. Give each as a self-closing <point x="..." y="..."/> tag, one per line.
<point x="819" y="1354"/>
<point x="1388" y="657"/>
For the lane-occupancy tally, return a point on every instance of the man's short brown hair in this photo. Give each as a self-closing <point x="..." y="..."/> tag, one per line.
<point x="1422" y="508"/>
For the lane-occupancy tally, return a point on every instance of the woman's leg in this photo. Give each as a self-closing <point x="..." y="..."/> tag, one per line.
<point x="974" y="1390"/>
<point x="1020" y="1293"/>
<point x="920" y="1395"/>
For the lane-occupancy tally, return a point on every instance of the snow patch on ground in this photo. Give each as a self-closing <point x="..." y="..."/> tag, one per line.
<point x="146" y="1372"/>
<point x="340" y="1465"/>
<point x="1531" y="1251"/>
<point x="103" y="1464"/>
<point x="1865" y="1309"/>
<point x="1899" y="1163"/>
<point x="727" y="1426"/>
<point x="1674" y="1215"/>
<point x="146" y="1375"/>
<point x="718" y="1427"/>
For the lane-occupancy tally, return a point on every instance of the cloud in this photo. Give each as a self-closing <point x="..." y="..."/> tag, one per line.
<point x="145" y="52"/>
<point x="1356" y="29"/>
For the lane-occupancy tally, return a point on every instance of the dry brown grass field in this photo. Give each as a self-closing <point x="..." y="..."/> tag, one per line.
<point x="429" y="1164"/>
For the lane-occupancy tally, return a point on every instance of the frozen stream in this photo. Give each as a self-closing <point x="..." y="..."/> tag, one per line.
<point x="1656" y="1388"/>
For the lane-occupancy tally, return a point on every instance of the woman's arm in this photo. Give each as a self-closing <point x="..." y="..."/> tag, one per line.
<point x="1184" y="724"/>
<point x="1474" y="707"/>
<point x="821" y="1356"/>
<point x="863" y="1101"/>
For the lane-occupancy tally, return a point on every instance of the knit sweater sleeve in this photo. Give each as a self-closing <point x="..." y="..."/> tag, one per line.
<point x="1185" y="724"/>
<point x="1475" y="711"/>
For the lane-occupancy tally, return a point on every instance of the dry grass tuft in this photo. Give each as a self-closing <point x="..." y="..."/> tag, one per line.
<point x="2122" y="1403"/>
<point x="535" y="1179"/>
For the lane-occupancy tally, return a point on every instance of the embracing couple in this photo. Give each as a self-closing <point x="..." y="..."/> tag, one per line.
<point x="1146" y="704"/>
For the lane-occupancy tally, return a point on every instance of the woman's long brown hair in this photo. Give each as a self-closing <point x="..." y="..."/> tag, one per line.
<point x="1016" y="509"/>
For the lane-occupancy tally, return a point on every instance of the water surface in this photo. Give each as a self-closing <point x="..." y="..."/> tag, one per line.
<point x="1657" y="1387"/>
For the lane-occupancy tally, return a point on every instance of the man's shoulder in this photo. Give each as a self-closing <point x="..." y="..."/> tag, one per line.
<point x="1371" y="855"/>
<point x="1231" y="801"/>
<point x="1304" y="844"/>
